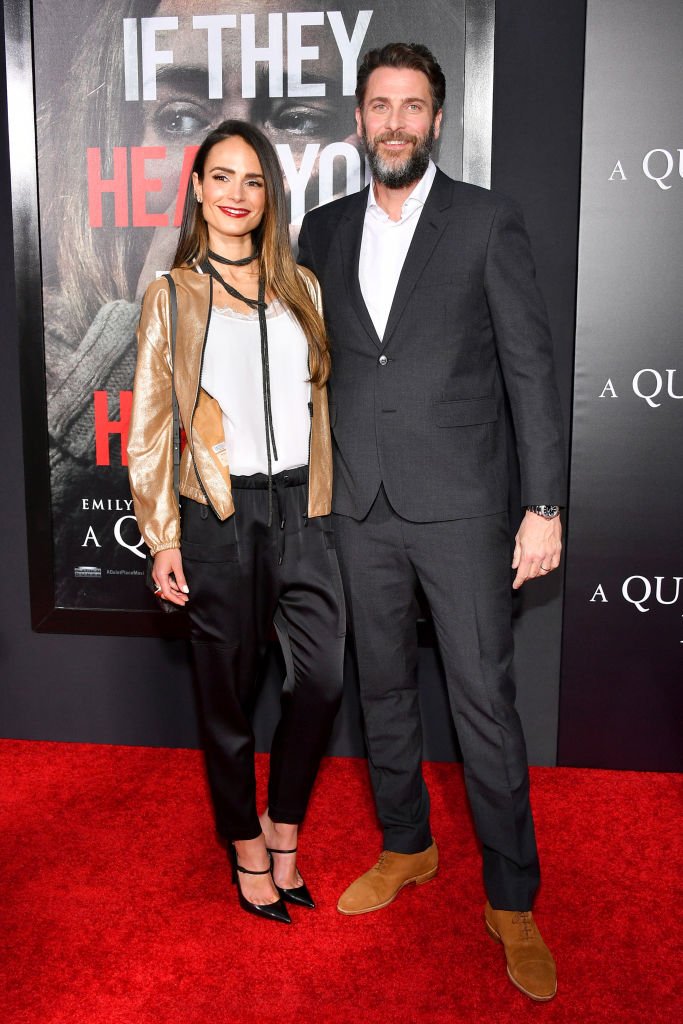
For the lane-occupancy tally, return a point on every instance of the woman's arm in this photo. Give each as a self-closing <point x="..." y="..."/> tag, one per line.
<point x="150" y="434"/>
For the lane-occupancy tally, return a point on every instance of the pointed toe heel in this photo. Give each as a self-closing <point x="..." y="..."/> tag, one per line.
<point x="299" y="896"/>
<point x="272" y="911"/>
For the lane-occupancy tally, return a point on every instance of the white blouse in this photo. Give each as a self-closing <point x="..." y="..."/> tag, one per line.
<point x="232" y="374"/>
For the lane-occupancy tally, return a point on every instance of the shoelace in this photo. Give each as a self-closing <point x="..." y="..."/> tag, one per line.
<point x="523" y="917"/>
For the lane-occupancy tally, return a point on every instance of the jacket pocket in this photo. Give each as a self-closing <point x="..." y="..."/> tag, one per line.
<point x="465" y="412"/>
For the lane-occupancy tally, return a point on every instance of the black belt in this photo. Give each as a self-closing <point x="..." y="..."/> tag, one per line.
<point x="259" y="481"/>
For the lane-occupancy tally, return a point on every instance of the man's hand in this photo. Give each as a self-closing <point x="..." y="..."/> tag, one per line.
<point x="538" y="546"/>
<point x="169" y="578"/>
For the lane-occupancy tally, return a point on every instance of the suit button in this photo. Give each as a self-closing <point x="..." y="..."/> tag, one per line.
<point x="383" y="360"/>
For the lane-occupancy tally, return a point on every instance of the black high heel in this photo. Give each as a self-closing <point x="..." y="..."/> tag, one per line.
<point x="275" y="911"/>
<point x="300" y="896"/>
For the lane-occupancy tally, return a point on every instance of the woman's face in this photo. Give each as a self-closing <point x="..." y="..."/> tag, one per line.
<point x="232" y="193"/>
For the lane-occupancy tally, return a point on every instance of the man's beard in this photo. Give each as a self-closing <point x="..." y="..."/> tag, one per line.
<point x="399" y="173"/>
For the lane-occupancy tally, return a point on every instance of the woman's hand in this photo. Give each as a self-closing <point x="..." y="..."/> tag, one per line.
<point x="169" y="578"/>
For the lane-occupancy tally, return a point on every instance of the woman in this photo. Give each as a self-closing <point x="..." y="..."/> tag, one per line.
<point x="95" y="277"/>
<point x="255" y="547"/>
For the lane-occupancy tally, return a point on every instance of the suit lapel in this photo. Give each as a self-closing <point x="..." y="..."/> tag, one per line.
<point x="350" y="237"/>
<point x="430" y="227"/>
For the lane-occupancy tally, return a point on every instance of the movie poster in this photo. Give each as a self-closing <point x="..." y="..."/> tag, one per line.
<point x="125" y="90"/>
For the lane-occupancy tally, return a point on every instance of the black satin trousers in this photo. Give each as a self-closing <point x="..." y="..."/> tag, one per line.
<point x="245" y="576"/>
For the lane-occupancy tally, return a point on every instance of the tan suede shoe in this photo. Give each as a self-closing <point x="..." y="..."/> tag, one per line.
<point x="530" y="963"/>
<point x="379" y="886"/>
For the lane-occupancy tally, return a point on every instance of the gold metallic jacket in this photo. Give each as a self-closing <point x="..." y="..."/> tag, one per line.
<point x="150" y="436"/>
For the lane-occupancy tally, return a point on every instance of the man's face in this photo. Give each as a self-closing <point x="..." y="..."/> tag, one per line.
<point x="397" y="125"/>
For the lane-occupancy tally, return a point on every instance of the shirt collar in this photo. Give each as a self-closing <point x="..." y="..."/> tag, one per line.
<point x="418" y="197"/>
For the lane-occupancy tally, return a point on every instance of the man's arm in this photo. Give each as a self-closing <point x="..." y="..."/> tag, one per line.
<point x="525" y="351"/>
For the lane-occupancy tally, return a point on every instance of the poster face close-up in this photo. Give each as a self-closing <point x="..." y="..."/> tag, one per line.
<point x="124" y="92"/>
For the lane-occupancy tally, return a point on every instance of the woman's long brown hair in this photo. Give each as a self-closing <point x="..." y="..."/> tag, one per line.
<point x="271" y="239"/>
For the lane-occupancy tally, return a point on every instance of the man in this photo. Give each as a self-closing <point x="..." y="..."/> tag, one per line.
<point x="434" y="316"/>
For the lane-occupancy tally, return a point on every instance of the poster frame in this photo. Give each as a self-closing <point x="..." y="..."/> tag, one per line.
<point x="21" y="61"/>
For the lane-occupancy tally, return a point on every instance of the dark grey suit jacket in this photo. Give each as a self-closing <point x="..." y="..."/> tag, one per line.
<point x="423" y="411"/>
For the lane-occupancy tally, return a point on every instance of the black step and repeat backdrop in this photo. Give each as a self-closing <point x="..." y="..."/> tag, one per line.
<point x="108" y="104"/>
<point x="622" y="667"/>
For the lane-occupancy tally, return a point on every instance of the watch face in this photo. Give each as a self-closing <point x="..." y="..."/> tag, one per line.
<point x="547" y="511"/>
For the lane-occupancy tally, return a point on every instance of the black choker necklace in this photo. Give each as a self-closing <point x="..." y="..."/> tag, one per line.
<point x="233" y="263"/>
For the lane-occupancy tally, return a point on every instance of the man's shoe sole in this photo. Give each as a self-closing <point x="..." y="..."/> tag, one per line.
<point x="418" y="880"/>
<point x="532" y="995"/>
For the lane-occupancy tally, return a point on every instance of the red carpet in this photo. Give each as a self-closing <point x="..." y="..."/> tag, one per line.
<point x="117" y="908"/>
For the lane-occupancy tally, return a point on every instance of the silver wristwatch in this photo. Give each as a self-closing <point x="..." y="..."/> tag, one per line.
<point x="547" y="511"/>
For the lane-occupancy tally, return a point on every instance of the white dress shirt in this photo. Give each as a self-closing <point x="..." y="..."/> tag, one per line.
<point x="384" y="248"/>
<point x="232" y="374"/>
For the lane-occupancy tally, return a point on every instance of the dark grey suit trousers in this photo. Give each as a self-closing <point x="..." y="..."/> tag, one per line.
<point x="462" y="566"/>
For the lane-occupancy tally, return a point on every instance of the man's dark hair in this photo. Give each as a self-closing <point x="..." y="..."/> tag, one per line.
<point x="403" y="55"/>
